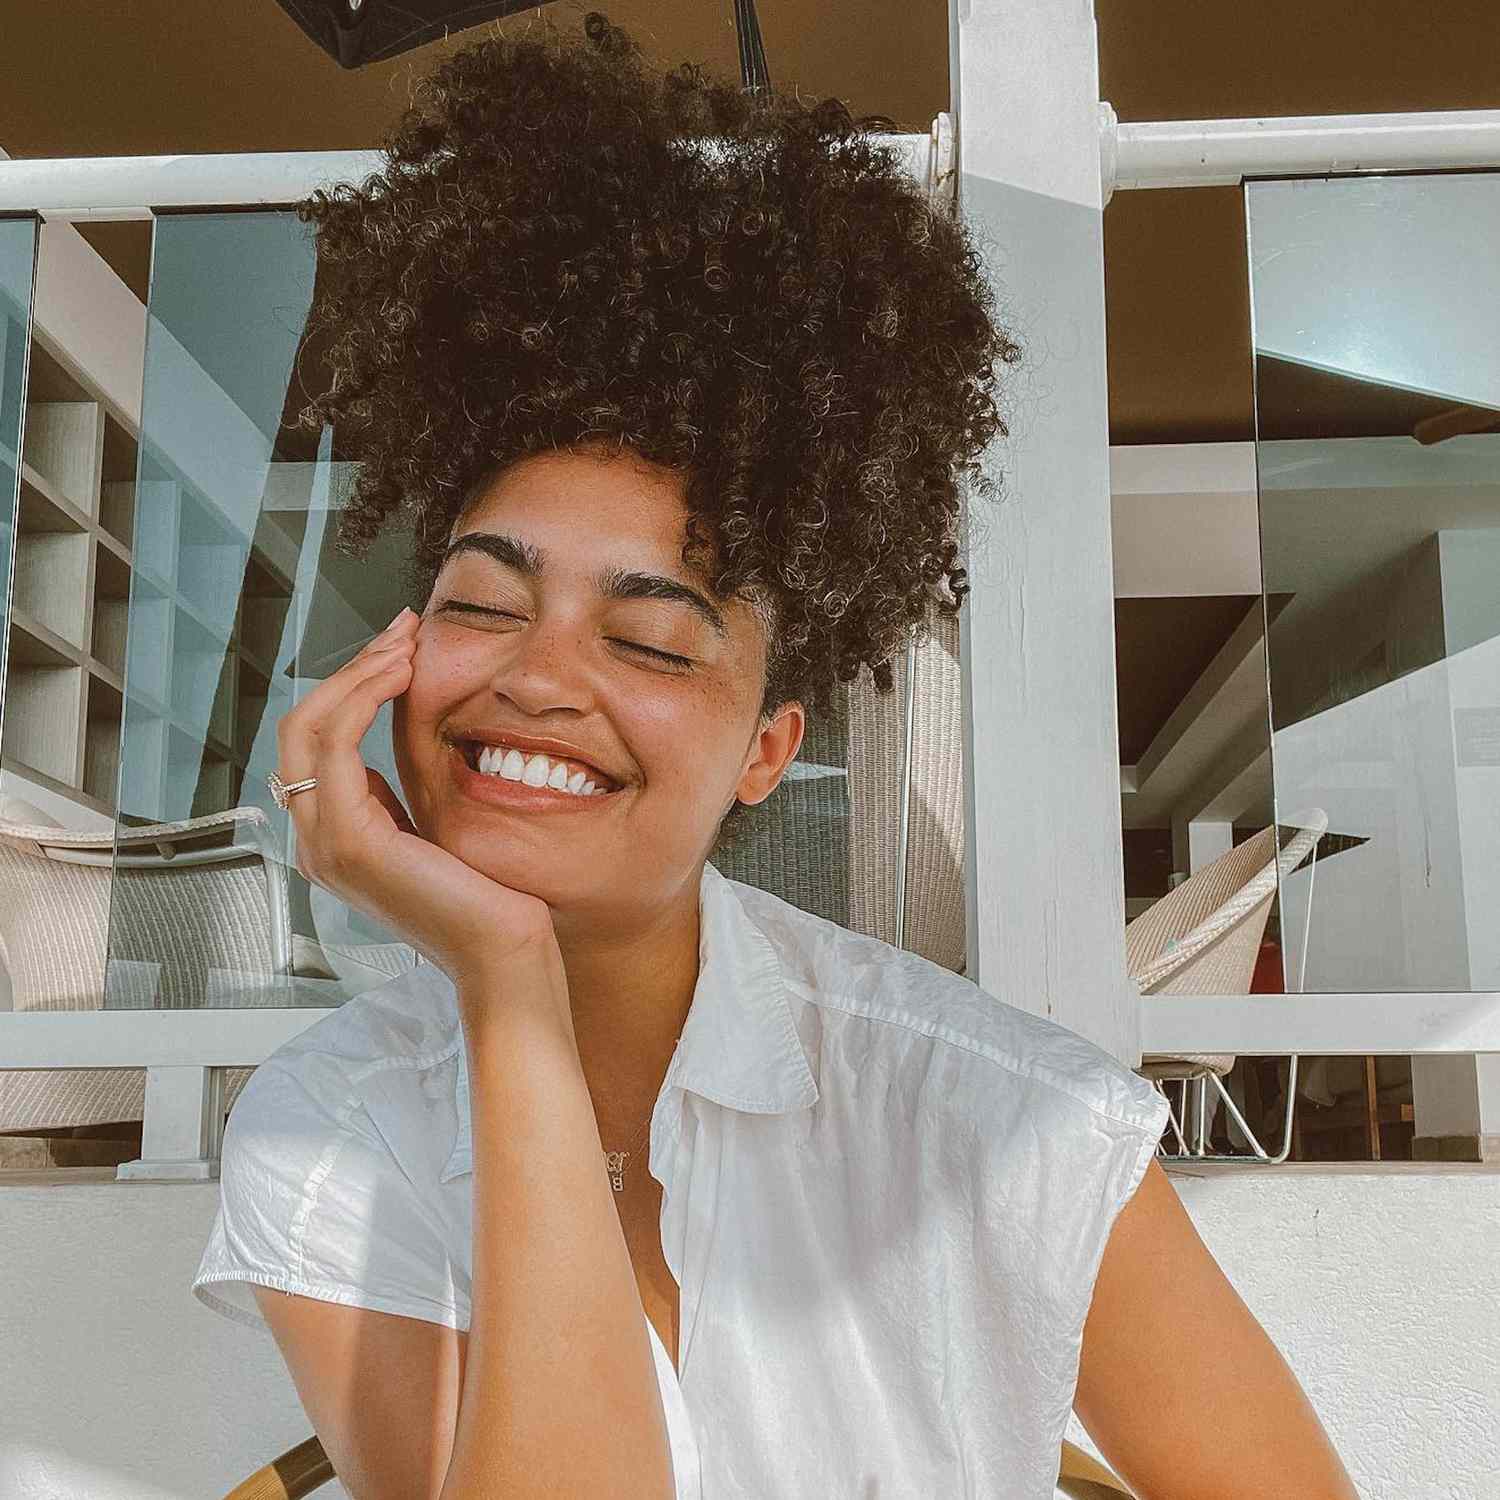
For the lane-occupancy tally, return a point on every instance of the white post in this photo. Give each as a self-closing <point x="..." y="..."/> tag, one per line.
<point x="1042" y="826"/>
<point x="181" y="1129"/>
<point x="1197" y="842"/>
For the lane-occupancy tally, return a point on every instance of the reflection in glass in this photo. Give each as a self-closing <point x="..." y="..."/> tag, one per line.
<point x="1377" y="316"/>
<point x="17" y="257"/>
<point x="238" y="604"/>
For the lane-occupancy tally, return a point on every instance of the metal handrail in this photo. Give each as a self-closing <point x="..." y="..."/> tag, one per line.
<point x="1222" y="153"/>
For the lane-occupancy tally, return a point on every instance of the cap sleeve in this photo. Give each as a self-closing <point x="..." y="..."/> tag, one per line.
<point x="311" y="1201"/>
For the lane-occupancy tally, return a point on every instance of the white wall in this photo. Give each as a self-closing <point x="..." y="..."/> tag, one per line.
<point x="115" y="1383"/>
<point x="1380" y="1285"/>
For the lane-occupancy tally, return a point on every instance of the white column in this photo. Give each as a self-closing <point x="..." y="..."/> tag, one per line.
<point x="1199" y="841"/>
<point x="1042" y="825"/>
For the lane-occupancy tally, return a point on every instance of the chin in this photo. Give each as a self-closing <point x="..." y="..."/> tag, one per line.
<point x="519" y="865"/>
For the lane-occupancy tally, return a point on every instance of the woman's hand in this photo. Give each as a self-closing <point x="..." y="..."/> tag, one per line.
<point x="355" y="838"/>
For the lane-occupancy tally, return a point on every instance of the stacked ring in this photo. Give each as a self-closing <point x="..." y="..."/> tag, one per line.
<point x="282" y="791"/>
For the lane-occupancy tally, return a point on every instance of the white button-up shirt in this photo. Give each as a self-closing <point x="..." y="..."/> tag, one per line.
<point x="886" y="1194"/>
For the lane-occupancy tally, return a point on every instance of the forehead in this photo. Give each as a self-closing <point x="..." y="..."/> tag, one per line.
<point x="606" y="516"/>
<point x="592" y="501"/>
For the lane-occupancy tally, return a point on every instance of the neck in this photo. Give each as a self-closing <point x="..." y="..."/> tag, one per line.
<point x="630" y="988"/>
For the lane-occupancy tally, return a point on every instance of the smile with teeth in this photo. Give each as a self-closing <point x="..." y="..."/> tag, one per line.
<point x="533" y="770"/>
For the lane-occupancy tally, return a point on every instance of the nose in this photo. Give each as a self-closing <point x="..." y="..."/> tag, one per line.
<point x="544" y="665"/>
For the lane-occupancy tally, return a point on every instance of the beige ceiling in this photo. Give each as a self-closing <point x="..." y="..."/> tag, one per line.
<point x="154" y="76"/>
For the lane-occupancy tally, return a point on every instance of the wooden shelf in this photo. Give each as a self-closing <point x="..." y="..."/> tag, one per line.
<point x="34" y="644"/>
<point x="143" y="627"/>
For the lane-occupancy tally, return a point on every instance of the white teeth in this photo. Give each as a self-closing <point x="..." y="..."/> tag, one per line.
<point x="536" y="770"/>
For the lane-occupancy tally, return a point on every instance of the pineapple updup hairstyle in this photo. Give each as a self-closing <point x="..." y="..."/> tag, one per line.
<point x="555" y="256"/>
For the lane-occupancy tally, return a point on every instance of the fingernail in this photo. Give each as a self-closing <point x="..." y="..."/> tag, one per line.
<point x="395" y="619"/>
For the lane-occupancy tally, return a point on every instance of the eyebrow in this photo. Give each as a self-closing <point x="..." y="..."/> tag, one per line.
<point x="612" y="583"/>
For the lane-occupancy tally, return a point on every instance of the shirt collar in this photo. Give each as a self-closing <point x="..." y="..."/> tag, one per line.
<point x="739" y="1046"/>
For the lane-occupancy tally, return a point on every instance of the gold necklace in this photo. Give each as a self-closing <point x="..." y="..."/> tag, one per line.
<point x="614" y="1161"/>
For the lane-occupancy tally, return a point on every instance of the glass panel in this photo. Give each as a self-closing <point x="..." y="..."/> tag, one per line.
<point x="17" y="261"/>
<point x="238" y="604"/>
<point x="1376" y="320"/>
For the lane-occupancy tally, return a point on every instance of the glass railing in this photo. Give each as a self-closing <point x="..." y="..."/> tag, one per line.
<point x="1377" y="320"/>
<point x="239" y="603"/>
<point x="17" y="260"/>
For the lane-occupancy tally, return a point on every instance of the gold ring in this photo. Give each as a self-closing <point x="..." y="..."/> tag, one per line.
<point x="281" y="790"/>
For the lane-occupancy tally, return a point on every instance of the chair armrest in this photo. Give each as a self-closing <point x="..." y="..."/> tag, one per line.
<point x="1082" y="1477"/>
<point x="297" y="1472"/>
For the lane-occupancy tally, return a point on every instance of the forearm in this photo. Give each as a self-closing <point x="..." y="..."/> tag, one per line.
<point x="560" y="1393"/>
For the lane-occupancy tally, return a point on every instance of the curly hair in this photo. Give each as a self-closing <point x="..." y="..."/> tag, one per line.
<point x="554" y="255"/>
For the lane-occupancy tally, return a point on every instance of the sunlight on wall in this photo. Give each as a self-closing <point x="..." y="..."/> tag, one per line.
<point x="38" y="1474"/>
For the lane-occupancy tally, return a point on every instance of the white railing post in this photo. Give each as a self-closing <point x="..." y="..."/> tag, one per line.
<point x="1045" y="900"/>
<point x="182" y="1128"/>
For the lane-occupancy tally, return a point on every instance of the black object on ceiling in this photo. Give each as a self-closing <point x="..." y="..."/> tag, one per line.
<point x="356" y="32"/>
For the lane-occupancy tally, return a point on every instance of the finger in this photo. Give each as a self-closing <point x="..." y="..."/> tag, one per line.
<point x="342" y="729"/>
<point x="330" y="743"/>
<point x="332" y="688"/>
<point x="293" y="726"/>
<point x="338" y="828"/>
<point x="300" y="734"/>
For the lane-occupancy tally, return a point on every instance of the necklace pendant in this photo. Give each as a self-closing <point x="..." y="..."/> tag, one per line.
<point x="614" y="1161"/>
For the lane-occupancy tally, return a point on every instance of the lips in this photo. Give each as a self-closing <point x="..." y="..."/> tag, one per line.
<point x="472" y="742"/>
<point x="500" y="792"/>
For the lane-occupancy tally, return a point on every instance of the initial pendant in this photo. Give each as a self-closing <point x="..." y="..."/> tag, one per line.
<point x="614" y="1161"/>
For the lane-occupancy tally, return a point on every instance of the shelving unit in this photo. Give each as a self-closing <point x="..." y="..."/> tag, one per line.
<point x="137" y="609"/>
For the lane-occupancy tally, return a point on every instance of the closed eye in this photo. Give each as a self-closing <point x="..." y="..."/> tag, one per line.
<point x="469" y="607"/>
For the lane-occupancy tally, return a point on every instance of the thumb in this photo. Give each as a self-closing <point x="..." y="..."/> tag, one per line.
<point x="380" y="790"/>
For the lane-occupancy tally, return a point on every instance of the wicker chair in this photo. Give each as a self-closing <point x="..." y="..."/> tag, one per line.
<point x="1202" y="939"/>
<point x="182" y="910"/>
<point x="1083" y="1477"/>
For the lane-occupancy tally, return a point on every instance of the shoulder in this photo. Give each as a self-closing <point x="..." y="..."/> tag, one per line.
<point x="401" y="1027"/>
<point x="901" y="1001"/>
<point x="330" y="1161"/>
<point x="369" y="1081"/>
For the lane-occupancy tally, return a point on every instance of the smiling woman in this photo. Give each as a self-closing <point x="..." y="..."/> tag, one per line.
<point x="651" y="1184"/>
<point x="597" y="644"/>
<point x="787" y="327"/>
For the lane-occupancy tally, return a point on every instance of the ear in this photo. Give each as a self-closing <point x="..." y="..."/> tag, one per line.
<point x="773" y="750"/>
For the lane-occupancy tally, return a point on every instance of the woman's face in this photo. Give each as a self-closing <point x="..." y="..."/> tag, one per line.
<point x="562" y="583"/>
